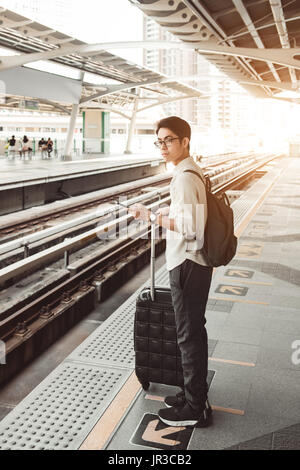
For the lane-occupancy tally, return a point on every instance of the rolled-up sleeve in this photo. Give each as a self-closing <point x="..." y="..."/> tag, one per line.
<point x="189" y="209"/>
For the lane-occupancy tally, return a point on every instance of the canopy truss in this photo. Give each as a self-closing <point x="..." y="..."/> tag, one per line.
<point x="33" y="42"/>
<point x="260" y="38"/>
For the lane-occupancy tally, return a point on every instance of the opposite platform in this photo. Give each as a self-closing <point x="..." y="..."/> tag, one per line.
<point x="29" y="183"/>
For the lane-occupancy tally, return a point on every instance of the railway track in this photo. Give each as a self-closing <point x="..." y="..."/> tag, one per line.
<point x="52" y="214"/>
<point x="43" y="236"/>
<point x="61" y="290"/>
<point x="24" y="224"/>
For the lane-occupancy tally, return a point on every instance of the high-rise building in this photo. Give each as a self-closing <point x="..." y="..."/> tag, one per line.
<point x="204" y="106"/>
<point x="225" y="106"/>
<point x="173" y="63"/>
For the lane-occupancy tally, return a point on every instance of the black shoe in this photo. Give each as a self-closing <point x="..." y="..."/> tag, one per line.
<point x="177" y="400"/>
<point x="185" y="416"/>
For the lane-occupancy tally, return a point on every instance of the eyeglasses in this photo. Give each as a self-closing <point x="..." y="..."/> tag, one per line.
<point x="168" y="142"/>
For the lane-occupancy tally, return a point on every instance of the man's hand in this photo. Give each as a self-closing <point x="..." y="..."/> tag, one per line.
<point x="163" y="211"/>
<point x="140" y="212"/>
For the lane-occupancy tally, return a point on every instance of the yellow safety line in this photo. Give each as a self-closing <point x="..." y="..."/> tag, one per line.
<point x="229" y="361"/>
<point x="214" y="407"/>
<point x="228" y="410"/>
<point x="240" y="281"/>
<point x="112" y="416"/>
<point x="154" y="398"/>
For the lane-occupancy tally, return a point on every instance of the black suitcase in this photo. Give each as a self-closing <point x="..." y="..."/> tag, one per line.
<point x="157" y="356"/>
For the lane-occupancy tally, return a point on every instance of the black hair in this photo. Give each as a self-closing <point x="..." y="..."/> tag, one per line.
<point x="177" y="125"/>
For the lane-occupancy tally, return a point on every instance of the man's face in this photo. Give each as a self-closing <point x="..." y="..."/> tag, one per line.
<point x="175" y="150"/>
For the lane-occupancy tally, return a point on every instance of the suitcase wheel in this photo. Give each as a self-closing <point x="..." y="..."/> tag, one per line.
<point x="145" y="385"/>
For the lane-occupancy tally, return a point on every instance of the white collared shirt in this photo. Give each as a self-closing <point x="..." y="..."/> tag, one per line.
<point x="189" y="210"/>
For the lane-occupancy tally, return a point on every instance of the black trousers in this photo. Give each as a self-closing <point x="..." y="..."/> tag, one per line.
<point x="190" y="283"/>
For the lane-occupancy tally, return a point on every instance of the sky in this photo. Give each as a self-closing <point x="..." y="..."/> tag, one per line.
<point x="109" y="21"/>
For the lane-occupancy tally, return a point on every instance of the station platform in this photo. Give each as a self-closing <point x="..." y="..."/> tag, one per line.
<point x="93" y="400"/>
<point x="26" y="183"/>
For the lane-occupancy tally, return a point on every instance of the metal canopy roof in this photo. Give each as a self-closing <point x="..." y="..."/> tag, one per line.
<point x="28" y="38"/>
<point x="255" y="24"/>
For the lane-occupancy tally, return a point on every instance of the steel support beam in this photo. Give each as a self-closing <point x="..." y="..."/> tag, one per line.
<point x="72" y="124"/>
<point x="214" y="27"/>
<point x="109" y="89"/>
<point x="131" y="127"/>
<point x="242" y="10"/>
<point x="172" y="100"/>
<point x="110" y="108"/>
<point x="276" y="7"/>
<point x="287" y="57"/>
<point x="56" y="106"/>
<point x="280" y="86"/>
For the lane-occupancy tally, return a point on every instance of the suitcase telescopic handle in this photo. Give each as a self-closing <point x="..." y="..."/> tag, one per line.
<point x="152" y="263"/>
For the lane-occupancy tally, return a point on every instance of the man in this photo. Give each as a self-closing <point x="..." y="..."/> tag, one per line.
<point x="12" y="142"/>
<point x="190" y="277"/>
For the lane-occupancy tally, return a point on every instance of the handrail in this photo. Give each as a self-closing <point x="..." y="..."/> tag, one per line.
<point x="34" y="261"/>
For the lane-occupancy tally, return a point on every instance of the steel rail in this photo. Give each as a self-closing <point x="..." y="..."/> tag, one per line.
<point x="83" y="201"/>
<point x="42" y="234"/>
<point x="239" y="178"/>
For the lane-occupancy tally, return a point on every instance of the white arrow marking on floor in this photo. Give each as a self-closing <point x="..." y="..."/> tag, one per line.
<point x="248" y="250"/>
<point x="238" y="273"/>
<point x="232" y="289"/>
<point x="153" y="435"/>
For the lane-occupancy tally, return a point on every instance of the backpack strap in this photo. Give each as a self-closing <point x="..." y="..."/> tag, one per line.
<point x="207" y="184"/>
<point x="205" y="181"/>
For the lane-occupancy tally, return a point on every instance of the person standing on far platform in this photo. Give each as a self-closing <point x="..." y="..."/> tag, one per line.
<point x="190" y="277"/>
<point x="49" y="147"/>
<point x="11" y="146"/>
<point x="24" y="147"/>
<point x="12" y="143"/>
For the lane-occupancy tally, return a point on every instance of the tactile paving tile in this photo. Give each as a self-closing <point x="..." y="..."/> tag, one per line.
<point x="62" y="410"/>
<point x="243" y="204"/>
<point x="112" y="343"/>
